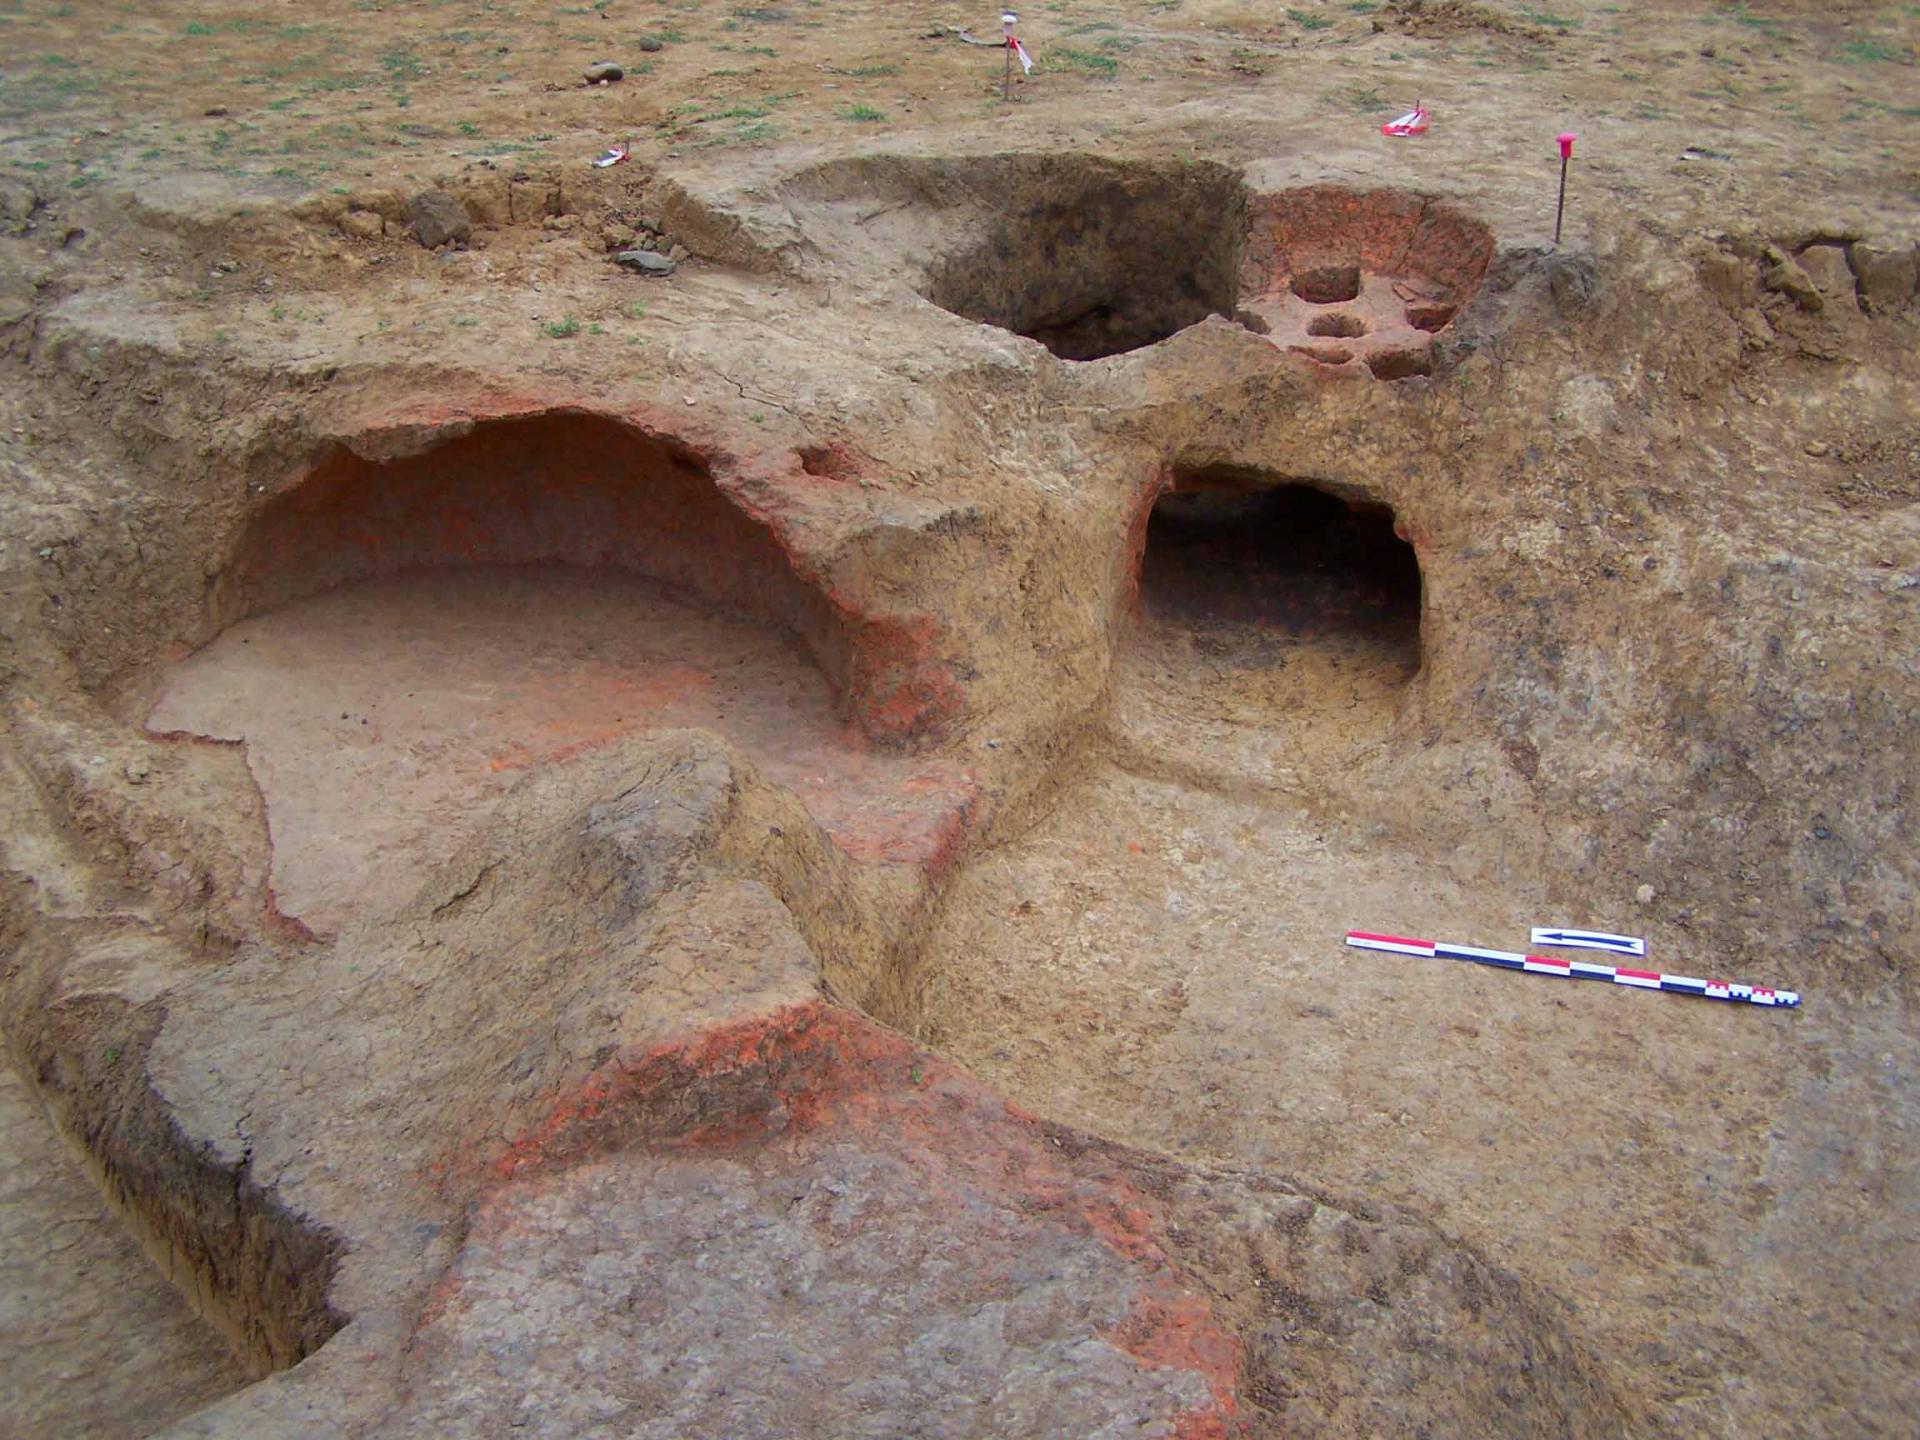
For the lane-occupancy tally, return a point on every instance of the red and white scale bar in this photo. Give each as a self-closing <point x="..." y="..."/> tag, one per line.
<point x="1574" y="969"/>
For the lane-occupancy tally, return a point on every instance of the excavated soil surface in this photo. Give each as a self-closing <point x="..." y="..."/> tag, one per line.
<point x="1039" y="569"/>
<point x="1166" y="966"/>
<point x="384" y="719"/>
<point x="95" y="1343"/>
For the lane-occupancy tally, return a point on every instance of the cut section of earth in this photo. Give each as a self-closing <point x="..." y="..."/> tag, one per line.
<point x="384" y="719"/>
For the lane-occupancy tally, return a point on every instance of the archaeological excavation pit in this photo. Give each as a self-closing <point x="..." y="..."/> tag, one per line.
<point x="1264" y="599"/>
<point x="1359" y="282"/>
<point x="399" y="641"/>
<point x="1093" y="258"/>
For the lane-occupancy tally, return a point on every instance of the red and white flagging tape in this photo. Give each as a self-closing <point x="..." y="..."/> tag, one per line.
<point x="1007" y="22"/>
<point x="1574" y="969"/>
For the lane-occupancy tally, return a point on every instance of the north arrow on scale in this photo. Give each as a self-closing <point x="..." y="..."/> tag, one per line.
<point x="1591" y="940"/>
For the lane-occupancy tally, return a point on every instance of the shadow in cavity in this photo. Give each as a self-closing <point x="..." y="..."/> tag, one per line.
<point x="556" y="489"/>
<point x="1095" y="258"/>
<point x="400" y="641"/>
<point x="1242" y="573"/>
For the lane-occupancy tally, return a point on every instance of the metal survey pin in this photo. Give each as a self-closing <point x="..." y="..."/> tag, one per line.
<point x="1566" y="139"/>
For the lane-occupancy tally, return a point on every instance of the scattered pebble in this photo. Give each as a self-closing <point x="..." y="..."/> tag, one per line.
<point x="1644" y="895"/>
<point x="649" y="43"/>
<point x="602" y="70"/>
<point x="646" y="262"/>
<point x="1816" y="448"/>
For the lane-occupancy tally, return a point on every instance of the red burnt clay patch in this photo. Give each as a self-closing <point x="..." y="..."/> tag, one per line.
<point x="805" y="1088"/>
<point x="1380" y="271"/>
<point x="455" y="601"/>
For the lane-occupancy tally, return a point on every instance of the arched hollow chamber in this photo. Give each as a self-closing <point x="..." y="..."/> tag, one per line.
<point x="396" y="640"/>
<point x="552" y="489"/>
<point x="1094" y="258"/>
<point x="1295" y="591"/>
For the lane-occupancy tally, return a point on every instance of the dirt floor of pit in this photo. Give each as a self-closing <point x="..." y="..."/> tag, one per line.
<point x="1166" y="966"/>
<point x="1279" y="608"/>
<point x="94" y="1341"/>
<point x="383" y="720"/>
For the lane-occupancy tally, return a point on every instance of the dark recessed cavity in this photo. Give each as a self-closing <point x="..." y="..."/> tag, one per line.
<point x="1328" y="284"/>
<point x="1259" y="569"/>
<point x="1337" y="322"/>
<point x="1400" y="364"/>
<point x="1094" y="259"/>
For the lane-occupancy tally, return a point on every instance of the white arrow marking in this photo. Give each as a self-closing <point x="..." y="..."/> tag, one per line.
<point x="1590" y="940"/>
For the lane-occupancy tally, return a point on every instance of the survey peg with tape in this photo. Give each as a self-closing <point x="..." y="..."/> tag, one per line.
<point x="1576" y="969"/>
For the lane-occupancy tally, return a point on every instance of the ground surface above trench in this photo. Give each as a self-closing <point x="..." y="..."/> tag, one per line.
<point x="383" y="720"/>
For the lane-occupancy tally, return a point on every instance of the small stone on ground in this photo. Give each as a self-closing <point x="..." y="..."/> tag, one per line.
<point x="647" y="262"/>
<point x="437" y="218"/>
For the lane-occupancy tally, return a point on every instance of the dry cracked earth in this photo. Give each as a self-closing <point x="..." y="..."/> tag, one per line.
<point x="763" y="850"/>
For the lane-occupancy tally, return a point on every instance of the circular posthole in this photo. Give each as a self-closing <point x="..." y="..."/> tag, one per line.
<point x="1328" y="284"/>
<point x="1337" y="323"/>
<point x="1399" y="267"/>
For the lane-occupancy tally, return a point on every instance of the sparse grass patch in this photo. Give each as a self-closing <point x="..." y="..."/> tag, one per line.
<point x="864" y="114"/>
<point x="1869" y="52"/>
<point x="1085" y="62"/>
<point x="1765" y="24"/>
<point x="563" y="329"/>
<point x="1307" y="20"/>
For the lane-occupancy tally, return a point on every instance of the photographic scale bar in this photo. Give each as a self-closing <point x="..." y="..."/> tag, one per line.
<point x="1574" y="969"/>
